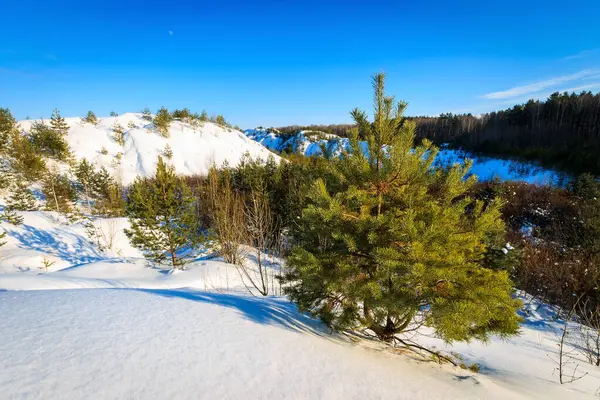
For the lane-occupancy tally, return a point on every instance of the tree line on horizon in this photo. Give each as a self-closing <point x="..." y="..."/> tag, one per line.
<point x="562" y="131"/>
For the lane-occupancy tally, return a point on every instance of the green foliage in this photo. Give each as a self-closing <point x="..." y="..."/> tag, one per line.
<point x="204" y="116"/>
<point x="59" y="191"/>
<point x="49" y="141"/>
<point x="388" y="237"/>
<point x="118" y="131"/>
<point x="26" y="159"/>
<point x="163" y="217"/>
<point x="168" y="152"/>
<point x="586" y="189"/>
<point x="220" y="120"/>
<point x="99" y="188"/>
<point x="162" y="121"/>
<point x="182" y="114"/>
<point x="8" y="128"/>
<point x="146" y="114"/>
<point x="11" y="217"/>
<point x="58" y="124"/>
<point x="103" y="151"/>
<point x="90" y="118"/>
<point x="114" y="114"/>
<point x="21" y="198"/>
<point x="2" y="237"/>
<point x="6" y="174"/>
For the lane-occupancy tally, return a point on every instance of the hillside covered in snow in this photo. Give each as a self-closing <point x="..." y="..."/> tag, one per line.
<point x="195" y="148"/>
<point x="315" y="143"/>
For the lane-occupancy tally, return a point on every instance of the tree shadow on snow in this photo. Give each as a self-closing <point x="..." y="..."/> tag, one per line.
<point x="76" y="251"/>
<point x="262" y="310"/>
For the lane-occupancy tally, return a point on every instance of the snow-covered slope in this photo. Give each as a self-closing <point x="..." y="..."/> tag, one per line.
<point x="313" y="143"/>
<point x="194" y="149"/>
<point x="308" y="143"/>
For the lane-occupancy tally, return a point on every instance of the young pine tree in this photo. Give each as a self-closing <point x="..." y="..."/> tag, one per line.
<point x="90" y="118"/>
<point x="204" y="116"/>
<point x="59" y="191"/>
<point x="2" y="237"/>
<point x="49" y="141"/>
<point x="26" y="160"/>
<point x="392" y="238"/>
<point x="162" y="121"/>
<point x="21" y="198"/>
<point x="146" y="114"/>
<point x="86" y="175"/>
<point x="168" y="152"/>
<point x="8" y="127"/>
<point x="11" y="217"/>
<point x="118" y="131"/>
<point x="57" y="123"/>
<point x="163" y="217"/>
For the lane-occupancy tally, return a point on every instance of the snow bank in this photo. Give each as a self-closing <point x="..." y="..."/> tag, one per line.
<point x="195" y="150"/>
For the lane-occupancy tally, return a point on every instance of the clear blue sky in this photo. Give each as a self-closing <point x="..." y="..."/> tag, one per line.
<point x="281" y="62"/>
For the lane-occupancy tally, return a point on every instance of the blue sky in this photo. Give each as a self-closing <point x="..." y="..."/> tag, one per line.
<point x="280" y="62"/>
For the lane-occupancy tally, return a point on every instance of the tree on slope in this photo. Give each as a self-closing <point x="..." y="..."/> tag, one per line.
<point x="162" y="121"/>
<point x="392" y="241"/>
<point x="8" y="127"/>
<point x="2" y="237"/>
<point x="59" y="191"/>
<point x="57" y="123"/>
<point x="49" y="141"/>
<point x="90" y="118"/>
<point x="21" y="198"/>
<point x="163" y="217"/>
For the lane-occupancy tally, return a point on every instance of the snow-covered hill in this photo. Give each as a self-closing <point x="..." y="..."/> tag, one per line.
<point x="194" y="149"/>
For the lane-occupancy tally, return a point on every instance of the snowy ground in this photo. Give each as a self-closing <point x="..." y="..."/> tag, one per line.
<point x="134" y="331"/>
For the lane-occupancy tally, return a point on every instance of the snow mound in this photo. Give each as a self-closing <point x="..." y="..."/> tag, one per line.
<point x="195" y="149"/>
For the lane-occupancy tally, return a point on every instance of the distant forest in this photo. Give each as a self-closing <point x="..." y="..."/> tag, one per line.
<point x="563" y="131"/>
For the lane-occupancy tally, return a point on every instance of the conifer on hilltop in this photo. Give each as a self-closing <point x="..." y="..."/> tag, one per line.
<point x="391" y="241"/>
<point x="163" y="218"/>
<point x="91" y="118"/>
<point x="58" y="123"/>
<point x="162" y="121"/>
<point x="146" y="114"/>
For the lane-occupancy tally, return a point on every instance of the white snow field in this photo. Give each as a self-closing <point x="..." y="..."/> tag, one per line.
<point x="195" y="149"/>
<point x="134" y="331"/>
